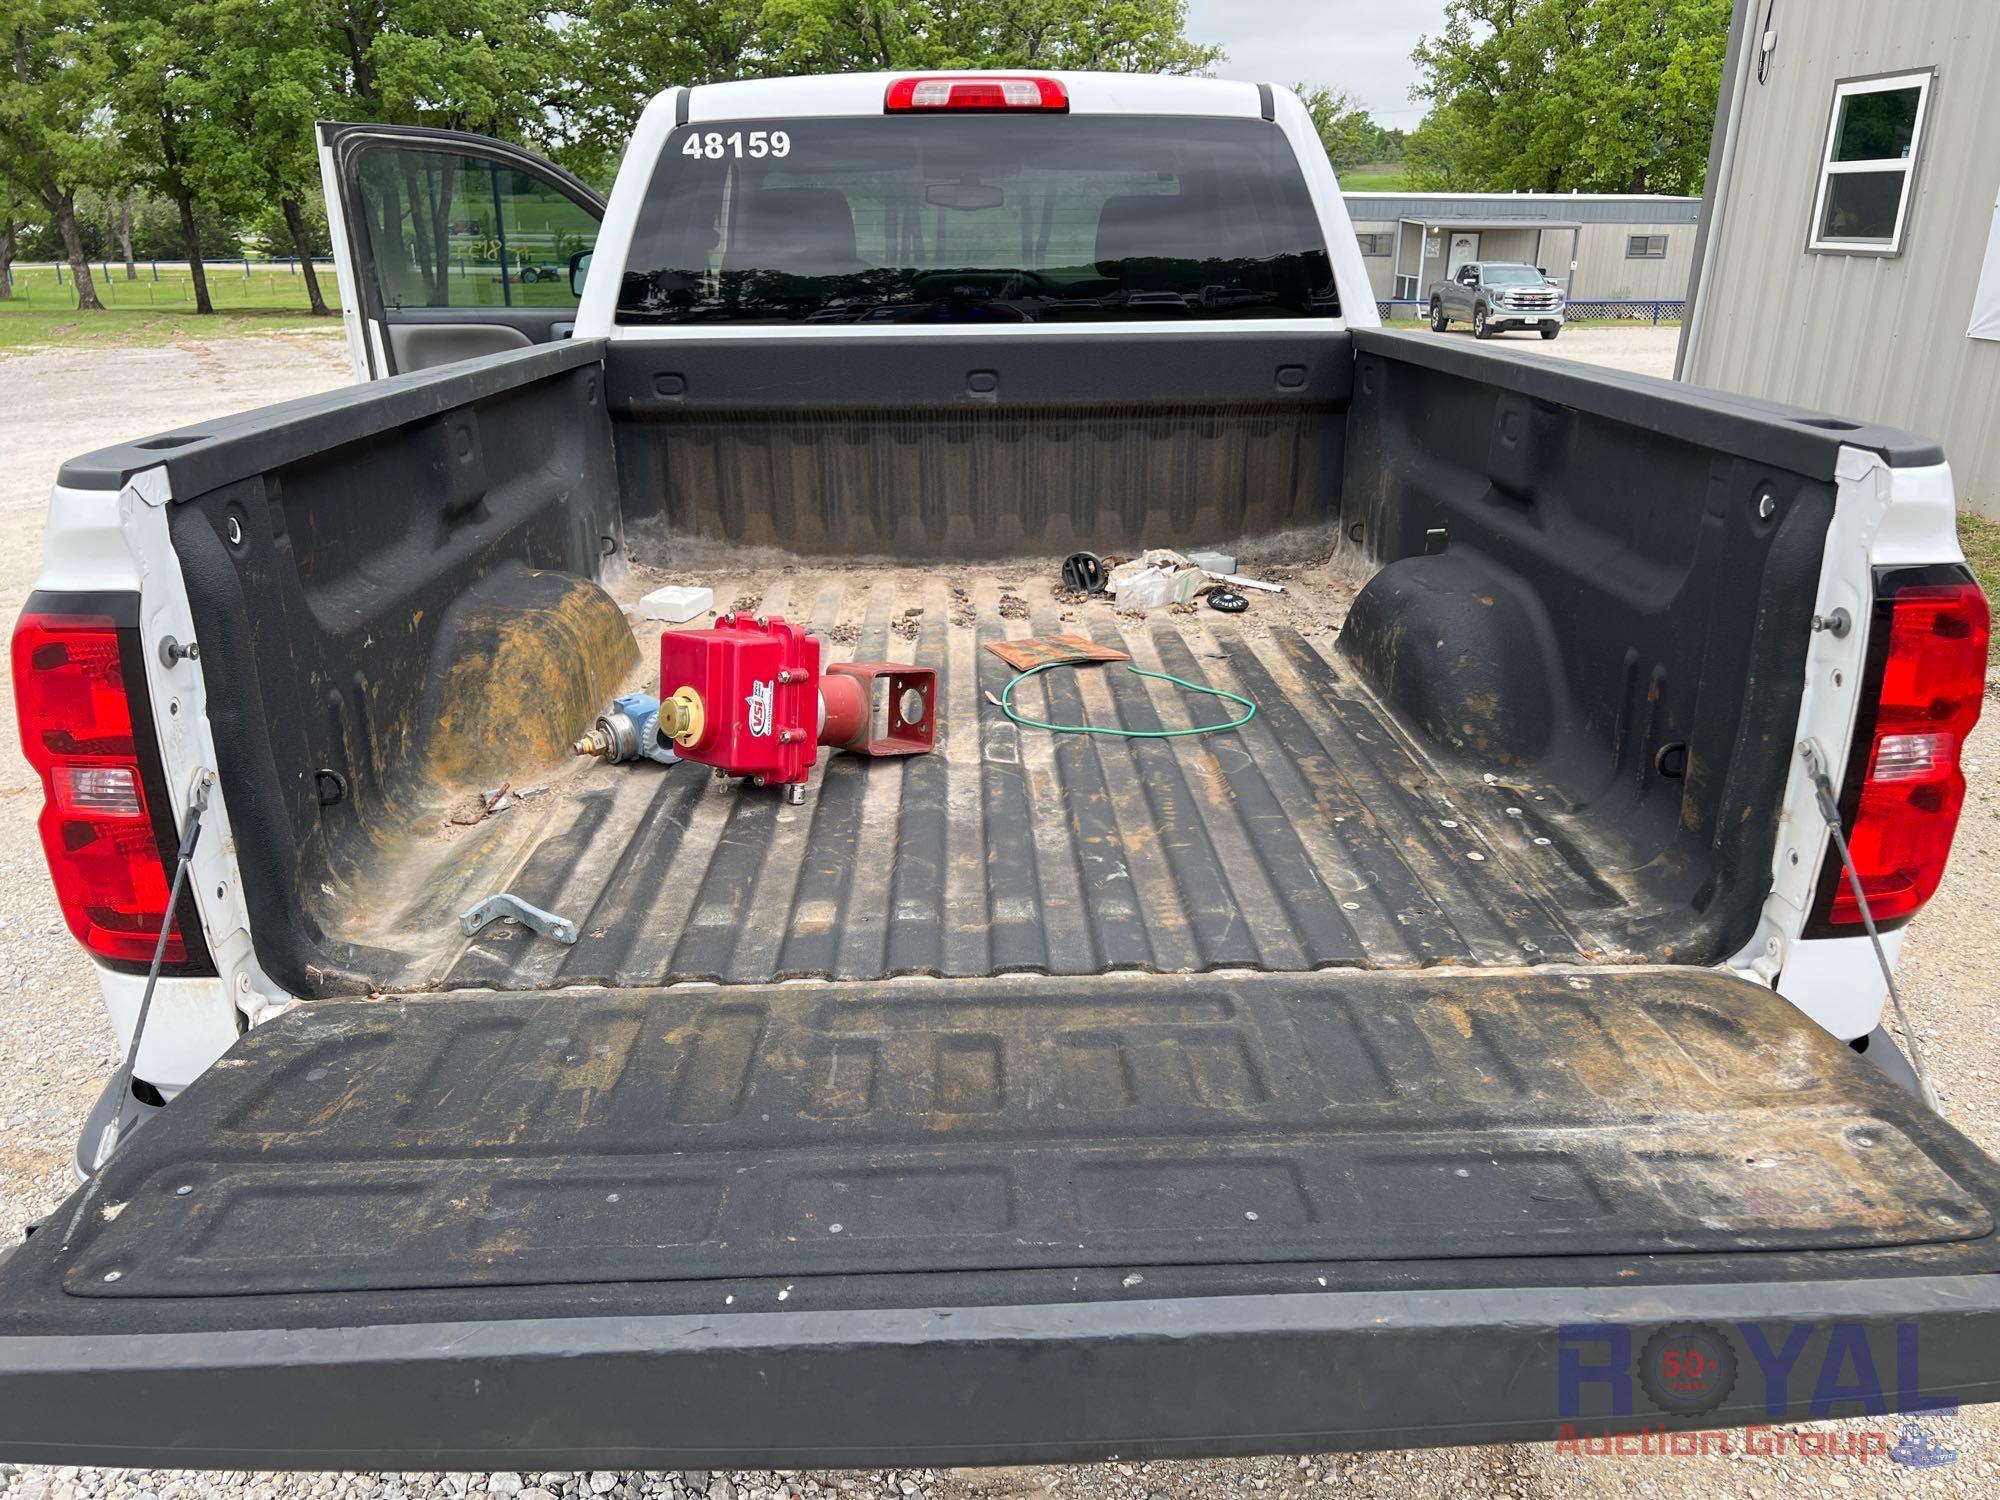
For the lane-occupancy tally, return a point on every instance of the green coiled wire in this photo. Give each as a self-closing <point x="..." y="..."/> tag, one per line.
<point x="1007" y="707"/>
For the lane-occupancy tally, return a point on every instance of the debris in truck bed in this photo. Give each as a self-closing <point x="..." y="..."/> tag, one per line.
<point x="1084" y="573"/>
<point x="853" y="604"/>
<point x="1150" y="588"/>
<point x="676" y="604"/>
<point x="1228" y="601"/>
<point x="1157" y="577"/>
<point x="481" y="806"/>
<point x="1320" y="580"/>
<point x="1053" y="651"/>
<point x="1239" y="581"/>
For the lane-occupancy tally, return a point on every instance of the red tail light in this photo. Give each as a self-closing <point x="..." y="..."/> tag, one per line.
<point x="98" y="828"/>
<point x="1932" y="678"/>
<point x="985" y="92"/>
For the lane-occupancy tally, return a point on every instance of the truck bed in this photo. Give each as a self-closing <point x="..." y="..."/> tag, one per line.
<point x="1317" y="836"/>
<point x="1551" y="730"/>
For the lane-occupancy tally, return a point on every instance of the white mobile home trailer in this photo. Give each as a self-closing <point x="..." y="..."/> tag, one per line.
<point x="1599" y="246"/>
<point x="1849" y="255"/>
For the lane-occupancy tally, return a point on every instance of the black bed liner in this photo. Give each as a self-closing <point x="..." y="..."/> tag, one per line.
<point x="546" y="1197"/>
<point x="1320" y="835"/>
<point x="1628" y="658"/>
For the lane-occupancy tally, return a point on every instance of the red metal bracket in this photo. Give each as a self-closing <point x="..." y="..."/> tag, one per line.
<point x="879" y="708"/>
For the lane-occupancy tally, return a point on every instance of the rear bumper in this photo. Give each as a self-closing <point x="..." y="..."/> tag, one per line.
<point x="1288" y="1372"/>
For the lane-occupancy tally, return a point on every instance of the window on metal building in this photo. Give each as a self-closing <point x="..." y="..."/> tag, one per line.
<point x="1869" y="164"/>
<point x="1646" y="247"/>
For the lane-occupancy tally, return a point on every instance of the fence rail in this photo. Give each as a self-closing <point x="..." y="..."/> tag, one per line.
<point x="235" y="285"/>
<point x="1593" y="310"/>
<point x="150" y="267"/>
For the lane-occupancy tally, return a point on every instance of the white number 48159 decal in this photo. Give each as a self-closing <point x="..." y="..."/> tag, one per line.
<point x="714" y="145"/>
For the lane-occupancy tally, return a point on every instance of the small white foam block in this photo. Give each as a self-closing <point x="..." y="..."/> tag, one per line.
<point x="1213" y="562"/>
<point x="676" y="604"/>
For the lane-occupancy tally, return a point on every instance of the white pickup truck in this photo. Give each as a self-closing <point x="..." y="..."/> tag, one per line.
<point x="1494" y="296"/>
<point x="1482" y="1041"/>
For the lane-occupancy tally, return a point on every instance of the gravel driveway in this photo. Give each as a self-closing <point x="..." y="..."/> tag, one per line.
<point x="1642" y="349"/>
<point x="56" y="1049"/>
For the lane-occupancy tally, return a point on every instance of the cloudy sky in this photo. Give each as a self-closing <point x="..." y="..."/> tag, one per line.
<point x="1362" y="46"/>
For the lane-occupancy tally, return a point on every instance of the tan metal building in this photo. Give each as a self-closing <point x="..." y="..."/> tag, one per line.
<point x="1600" y="246"/>
<point x="1850" y="247"/>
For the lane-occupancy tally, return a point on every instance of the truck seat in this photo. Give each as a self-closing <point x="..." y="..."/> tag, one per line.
<point x="805" y="231"/>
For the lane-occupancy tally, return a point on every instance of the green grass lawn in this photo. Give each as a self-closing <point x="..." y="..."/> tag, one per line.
<point x="1981" y="540"/>
<point x="1375" y="177"/>
<point x="146" y="311"/>
<point x="269" y="299"/>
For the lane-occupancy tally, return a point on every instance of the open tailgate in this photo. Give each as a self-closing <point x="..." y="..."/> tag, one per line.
<point x="923" y="1222"/>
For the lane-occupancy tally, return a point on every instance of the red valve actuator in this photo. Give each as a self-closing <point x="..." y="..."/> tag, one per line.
<point x="748" y="697"/>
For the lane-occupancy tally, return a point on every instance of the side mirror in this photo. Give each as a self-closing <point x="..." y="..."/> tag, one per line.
<point x="1543" y="272"/>
<point x="579" y="268"/>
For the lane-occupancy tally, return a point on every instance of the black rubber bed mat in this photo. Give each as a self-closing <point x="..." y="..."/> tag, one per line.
<point x="1134" y="1123"/>
<point x="1319" y="835"/>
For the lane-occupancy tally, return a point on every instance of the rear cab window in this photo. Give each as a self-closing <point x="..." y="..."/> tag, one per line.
<point x="976" y="219"/>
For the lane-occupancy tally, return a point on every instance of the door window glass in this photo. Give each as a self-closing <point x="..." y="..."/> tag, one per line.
<point x="464" y="231"/>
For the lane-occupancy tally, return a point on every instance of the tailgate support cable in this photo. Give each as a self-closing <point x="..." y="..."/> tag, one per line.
<point x="1829" y="809"/>
<point x="122" y="1082"/>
